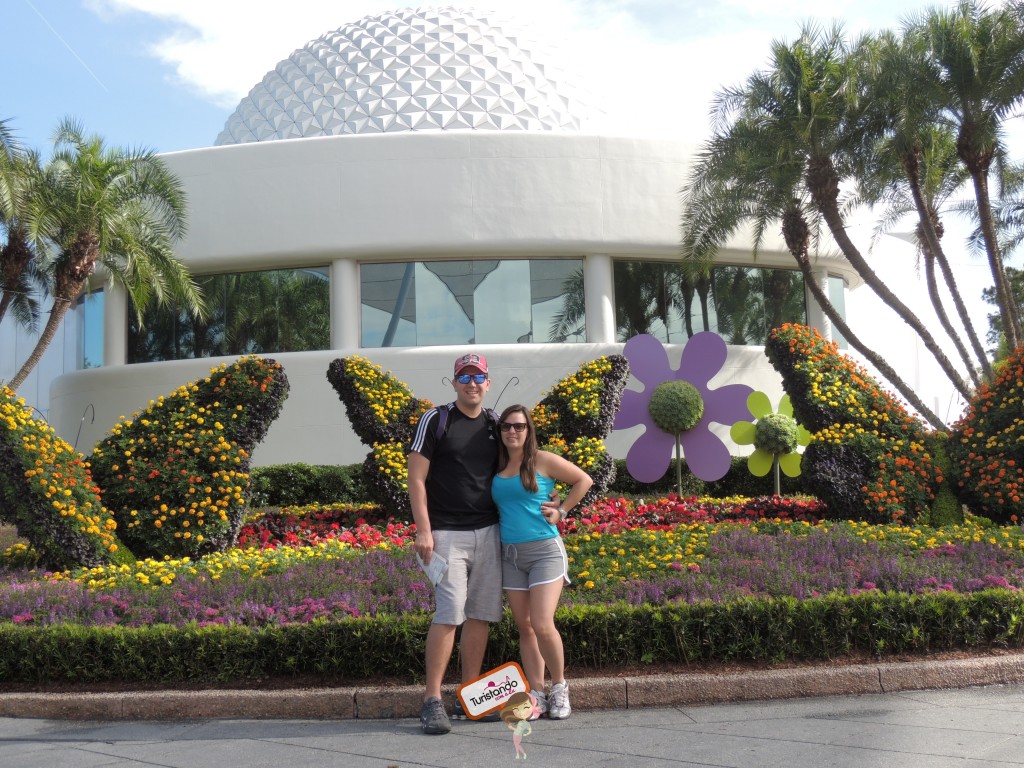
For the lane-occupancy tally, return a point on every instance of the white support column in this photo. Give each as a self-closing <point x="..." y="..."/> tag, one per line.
<point x="816" y="318"/>
<point x="345" y="316"/>
<point x="115" y="325"/>
<point x="599" y="297"/>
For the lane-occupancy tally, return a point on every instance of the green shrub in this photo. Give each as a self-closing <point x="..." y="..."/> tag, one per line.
<point x="48" y="493"/>
<point x="675" y="406"/>
<point x="775" y="433"/>
<point x="176" y="475"/>
<point x="288" y="485"/>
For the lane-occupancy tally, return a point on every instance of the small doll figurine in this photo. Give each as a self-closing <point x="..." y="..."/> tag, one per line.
<point x="517" y="713"/>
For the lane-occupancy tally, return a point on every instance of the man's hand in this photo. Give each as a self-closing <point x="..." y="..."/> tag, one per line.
<point x="424" y="545"/>
<point x="551" y="509"/>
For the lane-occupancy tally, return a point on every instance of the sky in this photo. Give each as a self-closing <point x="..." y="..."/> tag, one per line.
<point x="166" y="74"/>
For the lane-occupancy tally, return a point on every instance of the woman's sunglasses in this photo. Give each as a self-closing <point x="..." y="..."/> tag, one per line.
<point x="508" y="426"/>
<point x="476" y="378"/>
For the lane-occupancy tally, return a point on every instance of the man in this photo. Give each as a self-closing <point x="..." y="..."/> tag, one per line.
<point x="450" y="492"/>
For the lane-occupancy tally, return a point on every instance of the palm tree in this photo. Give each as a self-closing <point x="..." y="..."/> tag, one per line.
<point x="19" y="219"/>
<point x="751" y="173"/>
<point x="978" y="79"/>
<point x="121" y="209"/>
<point x="908" y="163"/>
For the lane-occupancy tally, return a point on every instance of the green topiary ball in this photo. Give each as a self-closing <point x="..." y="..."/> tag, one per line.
<point x="775" y="433"/>
<point x="676" y="406"/>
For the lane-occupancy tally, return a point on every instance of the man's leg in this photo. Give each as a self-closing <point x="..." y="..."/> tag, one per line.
<point x="472" y="646"/>
<point x="483" y="600"/>
<point x="440" y="643"/>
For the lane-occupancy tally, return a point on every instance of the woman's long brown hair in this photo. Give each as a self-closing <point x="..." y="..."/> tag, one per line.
<point x="528" y="467"/>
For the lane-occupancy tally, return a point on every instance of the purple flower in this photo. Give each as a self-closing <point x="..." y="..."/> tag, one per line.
<point x="706" y="455"/>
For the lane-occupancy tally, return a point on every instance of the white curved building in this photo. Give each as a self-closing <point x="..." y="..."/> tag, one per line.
<point x="410" y="185"/>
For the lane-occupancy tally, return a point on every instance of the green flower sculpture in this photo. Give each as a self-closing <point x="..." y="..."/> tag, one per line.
<point x="868" y="458"/>
<point x="176" y="475"/>
<point x="775" y="437"/>
<point x="573" y="419"/>
<point x="48" y="493"/>
<point x="383" y="412"/>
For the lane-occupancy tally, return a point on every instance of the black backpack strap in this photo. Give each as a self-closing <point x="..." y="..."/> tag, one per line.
<point x="442" y="421"/>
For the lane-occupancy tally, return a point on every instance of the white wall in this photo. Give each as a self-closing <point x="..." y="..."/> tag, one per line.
<point x="313" y="427"/>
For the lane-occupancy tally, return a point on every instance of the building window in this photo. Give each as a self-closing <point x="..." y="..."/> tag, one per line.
<point x="416" y="304"/>
<point x="741" y="304"/>
<point x="283" y="310"/>
<point x="90" y="329"/>
<point x="837" y="295"/>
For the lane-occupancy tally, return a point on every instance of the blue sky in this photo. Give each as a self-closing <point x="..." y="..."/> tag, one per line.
<point x="166" y="74"/>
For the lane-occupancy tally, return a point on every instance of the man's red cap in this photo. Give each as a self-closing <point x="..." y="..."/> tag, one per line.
<point x="471" y="360"/>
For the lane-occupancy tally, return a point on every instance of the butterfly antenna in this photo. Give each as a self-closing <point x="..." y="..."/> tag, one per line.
<point x="513" y="380"/>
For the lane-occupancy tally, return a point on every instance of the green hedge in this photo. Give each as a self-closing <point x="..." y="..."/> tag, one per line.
<point x="289" y="485"/>
<point x="284" y="485"/>
<point x="594" y="636"/>
<point x="737" y="482"/>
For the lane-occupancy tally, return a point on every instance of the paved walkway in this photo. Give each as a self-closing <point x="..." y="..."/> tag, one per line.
<point x="920" y="729"/>
<point x="909" y="715"/>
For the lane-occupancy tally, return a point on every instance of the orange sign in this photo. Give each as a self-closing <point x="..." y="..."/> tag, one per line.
<point x="492" y="689"/>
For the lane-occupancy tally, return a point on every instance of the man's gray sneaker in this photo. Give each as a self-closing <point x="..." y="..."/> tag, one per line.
<point x="458" y="713"/>
<point x="433" y="718"/>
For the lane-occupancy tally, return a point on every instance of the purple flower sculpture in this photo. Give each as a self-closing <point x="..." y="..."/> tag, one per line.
<point x="706" y="455"/>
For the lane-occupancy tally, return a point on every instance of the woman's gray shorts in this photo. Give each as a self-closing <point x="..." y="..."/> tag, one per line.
<point x="471" y="587"/>
<point x="533" y="563"/>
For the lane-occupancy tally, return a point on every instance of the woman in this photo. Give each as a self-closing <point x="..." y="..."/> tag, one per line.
<point x="534" y="563"/>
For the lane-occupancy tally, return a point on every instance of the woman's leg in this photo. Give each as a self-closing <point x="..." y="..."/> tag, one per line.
<point x="543" y="601"/>
<point x="533" y="661"/>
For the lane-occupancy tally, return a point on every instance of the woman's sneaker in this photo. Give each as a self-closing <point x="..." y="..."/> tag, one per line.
<point x="433" y="718"/>
<point x="558" y="702"/>
<point x="542" y="704"/>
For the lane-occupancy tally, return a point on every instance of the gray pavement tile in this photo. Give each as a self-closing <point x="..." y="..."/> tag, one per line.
<point x="50" y="756"/>
<point x="1010" y="751"/>
<point x="217" y="754"/>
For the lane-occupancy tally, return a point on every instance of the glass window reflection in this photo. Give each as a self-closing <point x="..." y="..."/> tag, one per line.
<point x="484" y="301"/>
<point x="90" y="329"/>
<point x="741" y="304"/>
<point x="284" y="310"/>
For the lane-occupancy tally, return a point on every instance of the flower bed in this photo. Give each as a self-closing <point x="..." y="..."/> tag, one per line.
<point x="330" y="563"/>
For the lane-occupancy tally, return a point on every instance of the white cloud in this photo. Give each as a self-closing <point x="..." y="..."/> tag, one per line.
<point x="652" y="65"/>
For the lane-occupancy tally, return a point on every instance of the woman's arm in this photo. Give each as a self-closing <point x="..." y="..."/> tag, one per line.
<point x="554" y="466"/>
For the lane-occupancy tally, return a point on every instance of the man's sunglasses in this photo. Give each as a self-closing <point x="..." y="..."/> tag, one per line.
<point x="476" y="378"/>
<point x="508" y="426"/>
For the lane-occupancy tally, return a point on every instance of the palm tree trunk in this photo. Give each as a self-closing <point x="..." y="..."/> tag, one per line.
<point x="820" y="178"/>
<point x="1004" y="297"/>
<point x="14" y="258"/>
<point x="940" y="312"/>
<point x="57" y="311"/>
<point x="933" y="243"/>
